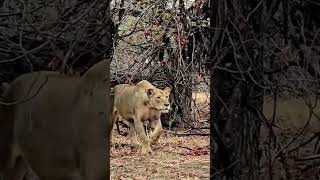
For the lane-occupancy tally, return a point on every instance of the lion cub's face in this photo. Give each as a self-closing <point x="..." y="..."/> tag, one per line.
<point x="159" y="99"/>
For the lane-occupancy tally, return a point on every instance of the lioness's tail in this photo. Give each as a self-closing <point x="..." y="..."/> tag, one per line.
<point x="111" y="100"/>
<point x="112" y="92"/>
<point x="118" y="128"/>
<point x="112" y="104"/>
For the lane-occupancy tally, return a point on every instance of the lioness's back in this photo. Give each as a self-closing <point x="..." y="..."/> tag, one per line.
<point x="145" y="85"/>
<point x="35" y="84"/>
<point x="128" y="94"/>
<point x="44" y="92"/>
<point x="128" y="98"/>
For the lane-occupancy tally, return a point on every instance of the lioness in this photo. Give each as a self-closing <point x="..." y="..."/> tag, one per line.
<point x="293" y="113"/>
<point x="56" y="125"/>
<point x="140" y="103"/>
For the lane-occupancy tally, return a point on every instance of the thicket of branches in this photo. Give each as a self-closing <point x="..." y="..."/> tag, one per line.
<point x="258" y="49"/>
<point x="164" y="42"/>
<point x="251" y="48"/>
<point x="64" y="36"/>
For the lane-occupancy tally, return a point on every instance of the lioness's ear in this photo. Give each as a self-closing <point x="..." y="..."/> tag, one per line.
<point x="150" y="92"/>
<point x="167" y="90"/>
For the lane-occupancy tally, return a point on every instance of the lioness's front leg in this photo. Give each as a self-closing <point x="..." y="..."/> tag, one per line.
<point x="132" y="135"/>
<point x="145" y="142"/>
<point x="155" y="135"/>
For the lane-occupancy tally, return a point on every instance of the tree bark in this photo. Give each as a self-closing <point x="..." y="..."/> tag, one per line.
<point x="236" y="97"/>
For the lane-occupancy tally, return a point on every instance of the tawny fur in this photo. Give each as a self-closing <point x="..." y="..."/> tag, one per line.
<point x="58" y="126"/>
<point x="140" y="103"/>
<point x="293" y="113"/>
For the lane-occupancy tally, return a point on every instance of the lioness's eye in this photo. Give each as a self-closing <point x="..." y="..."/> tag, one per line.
<point x="159" y="97"/>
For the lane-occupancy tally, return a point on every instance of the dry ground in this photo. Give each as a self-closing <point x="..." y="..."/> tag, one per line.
<point x="184" y="157"/>
<point x="174" y="157"/>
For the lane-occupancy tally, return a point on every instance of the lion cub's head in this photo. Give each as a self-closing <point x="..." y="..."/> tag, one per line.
<point x="158" y="98"/>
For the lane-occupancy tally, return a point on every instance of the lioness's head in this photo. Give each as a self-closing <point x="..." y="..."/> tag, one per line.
<point x="159" y="99"/>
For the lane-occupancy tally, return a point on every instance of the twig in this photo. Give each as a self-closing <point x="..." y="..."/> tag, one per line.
<point x="312" y="157"/>
<point x="185" y="147"/>
<point x="303" y="144"/>
<point x="187" y="134"/>
<point x="293" y="139"/>
<point x="25" y="98"/>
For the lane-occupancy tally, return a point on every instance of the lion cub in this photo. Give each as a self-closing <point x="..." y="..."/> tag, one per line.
<point x="137" y="104"/>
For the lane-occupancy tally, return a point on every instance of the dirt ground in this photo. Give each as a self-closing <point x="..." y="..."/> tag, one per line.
<point x="185" y="157"/>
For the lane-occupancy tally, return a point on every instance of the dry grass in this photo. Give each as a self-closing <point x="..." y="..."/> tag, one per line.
<point x="200" y="106"/>
<point x="201" y="97"/>
<point x="174" y="158"/>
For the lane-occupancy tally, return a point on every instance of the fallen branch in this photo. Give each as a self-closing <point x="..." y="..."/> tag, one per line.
<point x="121" y="145"/>
<point x="187" y="134"/>
<point x="191" y="129"/>
<point x="185" y="147"/>
<point x="194" y="134"/>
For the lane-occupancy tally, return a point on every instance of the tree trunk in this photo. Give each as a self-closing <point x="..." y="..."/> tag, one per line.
<point x="236" y="100"/>
<point x="234" y="111"/>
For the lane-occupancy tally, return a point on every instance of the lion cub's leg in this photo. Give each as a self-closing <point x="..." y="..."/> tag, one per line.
<point x="133" y="135"/>
<point x="145" y="142"/>
<point x="155" y="135"/>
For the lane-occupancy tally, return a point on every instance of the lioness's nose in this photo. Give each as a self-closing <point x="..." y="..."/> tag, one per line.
<point x="167" y="104"/>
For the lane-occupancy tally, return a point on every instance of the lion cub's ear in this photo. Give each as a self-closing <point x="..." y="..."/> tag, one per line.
<point x="167" y="90"/>
<point x="150" y="92"/>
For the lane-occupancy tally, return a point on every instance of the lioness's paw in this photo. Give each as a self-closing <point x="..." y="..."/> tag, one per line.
<point x="136" y="146"/>
<point x="154" y="140"/>
<point x="146" y="150"/>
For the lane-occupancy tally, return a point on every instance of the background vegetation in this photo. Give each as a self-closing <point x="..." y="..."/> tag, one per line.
<point x="253" y="52"/>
